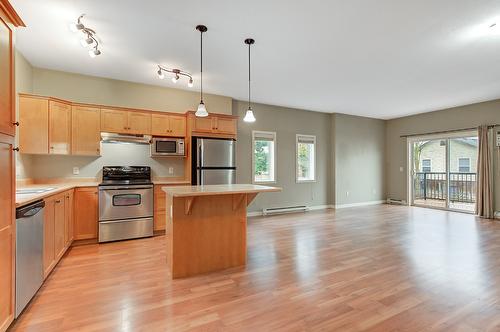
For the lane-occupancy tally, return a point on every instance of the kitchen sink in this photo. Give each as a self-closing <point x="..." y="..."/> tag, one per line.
<point x="32" y="191"/>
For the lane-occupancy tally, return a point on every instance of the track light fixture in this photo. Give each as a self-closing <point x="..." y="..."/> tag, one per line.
<point x="89" y="37"/>
<point x="177" y="74"/>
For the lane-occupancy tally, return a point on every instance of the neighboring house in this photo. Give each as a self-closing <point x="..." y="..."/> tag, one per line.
<point x="463" y="156"/>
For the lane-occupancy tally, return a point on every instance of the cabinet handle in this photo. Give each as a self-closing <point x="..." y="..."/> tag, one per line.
<point x="58" y="201"/>
<point x="15" y="149"/>
<point x="16" y="123"/>
<point x="52" y="147"/>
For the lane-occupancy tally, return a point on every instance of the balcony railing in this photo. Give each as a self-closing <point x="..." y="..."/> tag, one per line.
<point x="432" y="185"/>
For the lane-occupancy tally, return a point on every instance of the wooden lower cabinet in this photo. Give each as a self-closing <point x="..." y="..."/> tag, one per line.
<point x="68" y="218"/>
<point x="159" y="208"/>
<point x="7" y="231"/>
<point x="85" y="213"/>
<point x="49" y="257"/>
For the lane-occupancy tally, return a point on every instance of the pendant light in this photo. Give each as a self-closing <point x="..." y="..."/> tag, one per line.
<point x="202" y="110"/>
<point x="249" y="117"/>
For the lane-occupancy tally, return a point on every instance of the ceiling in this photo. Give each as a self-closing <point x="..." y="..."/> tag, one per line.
<point x="381" y="59"/>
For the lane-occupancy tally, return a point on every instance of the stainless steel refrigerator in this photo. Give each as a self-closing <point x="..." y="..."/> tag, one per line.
<point x="213" y="161"/>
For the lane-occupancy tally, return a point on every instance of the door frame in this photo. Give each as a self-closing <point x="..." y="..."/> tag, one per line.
<point x="409" y="176"/>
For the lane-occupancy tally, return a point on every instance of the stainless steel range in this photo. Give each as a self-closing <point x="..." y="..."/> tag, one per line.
<point x="125" y="203"/>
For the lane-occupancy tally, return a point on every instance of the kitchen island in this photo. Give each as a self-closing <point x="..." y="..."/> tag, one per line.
<point x="206" y="226"/>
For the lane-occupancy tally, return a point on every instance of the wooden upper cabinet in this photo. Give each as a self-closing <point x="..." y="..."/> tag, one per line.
<point x="125" y="122"/>
<point x="214" y="124"/>
<point x="86" y="131"/>
<point x="139" y="123"/>
<point x="168" y="125"/>
<point x="203" y="124"/>
<point x="33" y="125"/>
<point x="59" y="128"/>
<point x="114" y="121"/>
<point x="7" y="109"/>
<point x="225" y="125"/>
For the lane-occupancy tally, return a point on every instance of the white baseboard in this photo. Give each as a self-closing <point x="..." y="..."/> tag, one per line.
<point x="310" y="208"/>
<point x="344" y="206"/>
<point x="496" y="215"/>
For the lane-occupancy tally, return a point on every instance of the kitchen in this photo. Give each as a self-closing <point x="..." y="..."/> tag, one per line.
<point x="215" y="166"/>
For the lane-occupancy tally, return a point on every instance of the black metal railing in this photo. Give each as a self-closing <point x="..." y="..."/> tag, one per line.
<point x="432" y="185"/>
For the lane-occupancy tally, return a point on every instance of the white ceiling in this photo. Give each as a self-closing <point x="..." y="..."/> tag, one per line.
<point x="382" y="59"/>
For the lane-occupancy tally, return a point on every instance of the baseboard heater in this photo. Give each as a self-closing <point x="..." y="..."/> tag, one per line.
<point x="288" y="209"/>
<point x="395" y="201"/>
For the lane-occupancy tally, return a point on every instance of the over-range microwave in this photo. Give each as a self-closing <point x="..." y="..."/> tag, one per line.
<point x="164" y="147"/>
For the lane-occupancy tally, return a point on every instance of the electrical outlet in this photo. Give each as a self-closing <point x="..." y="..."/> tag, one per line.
<point x="76" y="170"/>
<point x="170" y="170"/>
<point x="401" y="169"/>
<point x="346" y="194"/>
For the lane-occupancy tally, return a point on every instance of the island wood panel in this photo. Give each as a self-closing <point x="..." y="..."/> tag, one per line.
<point x="207" y="233"/>
<point x="33" y="125"/>
<point x="86" y="131"/>
<point x="59" y="128"/>
<point x="85" y="213"/>
<point x="7" y="231"/>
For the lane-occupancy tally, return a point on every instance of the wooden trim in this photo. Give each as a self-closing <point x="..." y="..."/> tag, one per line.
<point x="219" y="115"/>
<point x="250" y="198"/>
<point x="188" y="205"/>
<point x="11" y="13"/>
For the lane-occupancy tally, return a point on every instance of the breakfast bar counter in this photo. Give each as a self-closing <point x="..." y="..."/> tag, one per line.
<point x="206" y="226"/>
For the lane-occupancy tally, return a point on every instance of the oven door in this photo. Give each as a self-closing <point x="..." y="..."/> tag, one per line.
<point x="125" y="202"/>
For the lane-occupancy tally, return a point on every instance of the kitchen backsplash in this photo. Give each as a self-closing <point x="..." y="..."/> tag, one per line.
<point x="112" y="154"/>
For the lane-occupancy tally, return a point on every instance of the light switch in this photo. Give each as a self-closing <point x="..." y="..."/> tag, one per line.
<point x="401" y="169"/>
<point x="170" y="170"/>
<point x="76" y="170"/>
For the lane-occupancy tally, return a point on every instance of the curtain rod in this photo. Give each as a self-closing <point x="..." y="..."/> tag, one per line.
<point x="446" y="131"/>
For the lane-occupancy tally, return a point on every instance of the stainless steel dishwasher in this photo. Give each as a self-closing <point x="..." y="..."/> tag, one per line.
<point x="29" y="253"/>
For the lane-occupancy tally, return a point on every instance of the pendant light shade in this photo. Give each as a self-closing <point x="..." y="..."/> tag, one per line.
<point x="202" y="110"/>
<point x="249" y="117"/>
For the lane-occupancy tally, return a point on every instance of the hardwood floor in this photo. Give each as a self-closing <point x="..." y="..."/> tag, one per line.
<point x="380" y="268"/>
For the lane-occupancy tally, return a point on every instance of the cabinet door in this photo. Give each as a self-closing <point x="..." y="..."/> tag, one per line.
<point x="68" y="218"/>
<point x="59" y="128"/>
<point x="160" y="210"/>
<point x="59" y="227"/>
<point x="160" y="125"/>
<point x="86" y="131"/>
<point x="85" y="213"/>
<point x="7" y="231"/>
<point x="7" y="109"/>
<point x="114" y="121"/>
<point x="48" y="236"/>
<point x="177" y="126"/>
<point x="139" y="123"/>
<point x="225" y="126"/>
<point x="33" y="125"/>
<point x="203" y="124"/>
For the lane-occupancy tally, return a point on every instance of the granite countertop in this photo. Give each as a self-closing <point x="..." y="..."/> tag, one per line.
<point x="222" y="189"/>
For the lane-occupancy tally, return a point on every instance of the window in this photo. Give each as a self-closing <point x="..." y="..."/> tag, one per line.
<point x="306" y="158"/>
<point x="264" y="156"/>
<point x="426" y="165"/>
<point x="464" y="165"/>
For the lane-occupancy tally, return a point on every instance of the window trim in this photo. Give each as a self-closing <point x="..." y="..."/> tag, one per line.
<point x="275" y="159"/>
<point x="470" y="164"/>
<point x="430" y="165"/>
<point x="297" y="180"/>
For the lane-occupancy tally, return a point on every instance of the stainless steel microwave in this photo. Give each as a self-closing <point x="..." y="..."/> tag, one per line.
<point x="163" y="147"/>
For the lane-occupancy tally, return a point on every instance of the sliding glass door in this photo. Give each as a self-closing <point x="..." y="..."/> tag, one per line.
<point x="443" y="171"/>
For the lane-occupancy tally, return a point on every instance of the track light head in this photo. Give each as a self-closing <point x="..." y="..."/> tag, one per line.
<point x="94" y="52"/>
<point x="75" y="27"/>
<point x="175" y="78"/>
<point x="160" y="74"/>
<point x="190" y="83"/>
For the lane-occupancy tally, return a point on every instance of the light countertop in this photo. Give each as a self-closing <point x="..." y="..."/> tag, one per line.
<point x="222" y="189"/>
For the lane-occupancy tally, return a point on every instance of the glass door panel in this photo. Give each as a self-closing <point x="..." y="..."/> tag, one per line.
<point x="429" y="164"/>
<point x="463" y="161"/>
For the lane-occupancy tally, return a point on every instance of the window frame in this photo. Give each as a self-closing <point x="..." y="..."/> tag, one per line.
<point x="275" y="159"/>
<point x="430" y="165"/>
<point x="458" y="164"/>
<point x="297" y="180"/>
